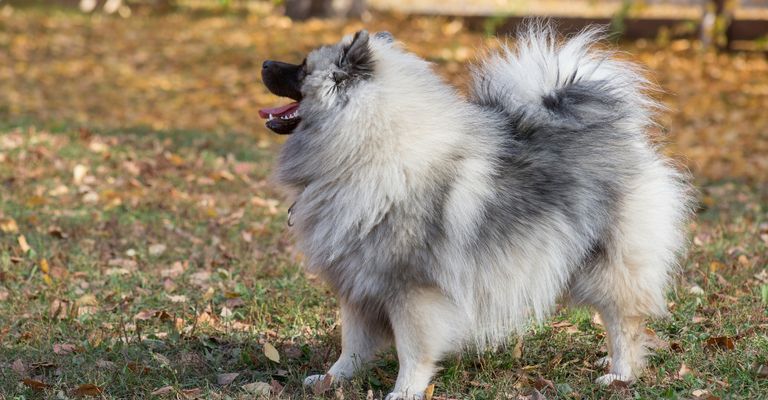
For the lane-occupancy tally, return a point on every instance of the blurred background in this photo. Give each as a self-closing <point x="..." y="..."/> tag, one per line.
<point x="143" y="247"/>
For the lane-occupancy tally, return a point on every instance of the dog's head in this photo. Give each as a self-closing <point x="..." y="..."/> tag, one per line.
<point x="322" y="81"/>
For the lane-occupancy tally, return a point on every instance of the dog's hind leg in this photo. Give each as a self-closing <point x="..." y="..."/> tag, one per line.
<point x="363" y="334"/>
<point x="622" y="305"/>
<point x="426" y="326"/>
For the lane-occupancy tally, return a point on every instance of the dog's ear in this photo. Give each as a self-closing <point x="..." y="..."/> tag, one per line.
<point x="358" y="59"/>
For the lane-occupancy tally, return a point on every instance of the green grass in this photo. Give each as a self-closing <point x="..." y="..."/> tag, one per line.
<point x="207" y="199"/>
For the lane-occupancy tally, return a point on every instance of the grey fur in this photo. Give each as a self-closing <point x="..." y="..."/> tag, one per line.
<point x="422" y="208"/>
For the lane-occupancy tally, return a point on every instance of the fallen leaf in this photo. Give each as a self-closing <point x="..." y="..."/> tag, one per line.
<point x="56" y="232"/>
<point x="162" y="391"/>
<point x="683" y="371"/>
<point x="257" y="388"/>
<point x="429" y="392"/>
<point x="654" y="341"/>
<point x="8" y="225"/>
<point x="19" y="367"/>
<point x="138" y="368"/>
<point x="178" y="298"/>
<point x="720" y="342"/>
<point x="225" y="312"/>
<point x="191" y="393"/>
<point x="104" y="364"/>
<point x="87" y="300"/>
<point x="64" y="348"/>
<point x="44" y="267"/>
<point x="88" y="389"/>
<point x="226" y="379"/>
<point x="324" y="385"/>
<point x="541" y="384"/>
<point x="145" y="315"/>
<point x="271" y="352"/>
<point x="23" y="244"/>
<point x="78" y="173"/>
<point x="696" y="290"/>
<point x="35" y="384"/>
<point x="157" y="249"/>
<point x="517" y="351"/>
<point x="235" y="303"/>
<point x="277" y="388"/>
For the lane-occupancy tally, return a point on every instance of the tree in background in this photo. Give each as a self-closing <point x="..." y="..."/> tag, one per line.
<point x="303" y="9"/>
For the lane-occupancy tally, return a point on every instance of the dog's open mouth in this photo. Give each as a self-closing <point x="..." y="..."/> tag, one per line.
<point x="283" y="119"/>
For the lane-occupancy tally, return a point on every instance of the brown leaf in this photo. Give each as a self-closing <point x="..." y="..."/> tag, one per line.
<point x="138" y="368"/>
<point x="88" y="389"/>
<point x="35" y="384"/>
<point x="226" y="379"/>
<point x="64" y="348"/>
<point x="145" y="315"/>
<point x="541" y="384"/>
<point x="276" y="387"/>
<point x="324" y="385"/>
<point x="162" y="391"/>
<point x="19" y="367"/>
<point x="720" y="342"/>
<point x="192" y="393"/>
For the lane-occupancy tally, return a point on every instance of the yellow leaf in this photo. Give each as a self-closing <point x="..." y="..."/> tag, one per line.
<point x="271" y="352"/>
<point x="208" y="295"/>
<point x="714" y="266"/>
<point x="47" y="279"/>
<point x="23" y="244"/>
<point x="429" y="392"/>
<point x="44" y="266"/>
<point x="8" y="225"/>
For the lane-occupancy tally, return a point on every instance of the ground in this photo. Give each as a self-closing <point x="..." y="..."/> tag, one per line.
<point x="144" y="250"/>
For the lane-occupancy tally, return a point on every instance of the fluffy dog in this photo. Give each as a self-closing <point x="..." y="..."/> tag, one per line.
<point x="444" y="222"/>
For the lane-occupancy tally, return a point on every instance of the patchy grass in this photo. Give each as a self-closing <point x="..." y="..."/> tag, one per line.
<point x="157" y="259"/>
<point x="169" y="264"/>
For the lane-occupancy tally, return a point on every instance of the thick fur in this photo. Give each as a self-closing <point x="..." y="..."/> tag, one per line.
<point x="443" y="222"/>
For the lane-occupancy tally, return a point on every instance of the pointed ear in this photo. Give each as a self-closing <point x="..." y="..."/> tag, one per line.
<point x="358" y="58"/>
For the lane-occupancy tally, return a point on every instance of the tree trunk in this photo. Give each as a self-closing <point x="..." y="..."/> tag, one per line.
<point x="303" y="9"/>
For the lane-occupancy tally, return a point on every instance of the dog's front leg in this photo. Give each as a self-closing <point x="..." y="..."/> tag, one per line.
<point x="362" y="337"/>
<point x="426" y="326"/>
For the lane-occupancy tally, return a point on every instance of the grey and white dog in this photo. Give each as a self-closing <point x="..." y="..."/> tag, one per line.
<point x="444" y="222"/>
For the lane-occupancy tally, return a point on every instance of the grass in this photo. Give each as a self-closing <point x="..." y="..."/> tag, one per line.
<point x="114" y="311"/>
<point x="158" y="258"/>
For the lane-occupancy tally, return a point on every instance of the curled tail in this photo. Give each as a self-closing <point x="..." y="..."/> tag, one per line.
<point x="544" y="81"/>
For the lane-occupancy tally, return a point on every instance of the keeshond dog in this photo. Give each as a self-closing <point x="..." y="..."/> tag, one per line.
<point x="445" y="221"/>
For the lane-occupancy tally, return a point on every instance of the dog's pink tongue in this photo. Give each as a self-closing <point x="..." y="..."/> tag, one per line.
<point x="279" y="111"/>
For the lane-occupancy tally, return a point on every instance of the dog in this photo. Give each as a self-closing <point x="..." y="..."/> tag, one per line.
<point x="444" y="222"/>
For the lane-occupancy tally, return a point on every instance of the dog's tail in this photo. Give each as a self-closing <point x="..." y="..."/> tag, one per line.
<point x="544" y="81"/>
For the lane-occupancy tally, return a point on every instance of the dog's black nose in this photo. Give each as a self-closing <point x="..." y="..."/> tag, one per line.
<point x="266" y="64"/>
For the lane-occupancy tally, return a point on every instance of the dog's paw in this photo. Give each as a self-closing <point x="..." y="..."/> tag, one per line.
<point x="404" y="396"/>
<point x="607" y="379"/>
<point x="603" y="362"/>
